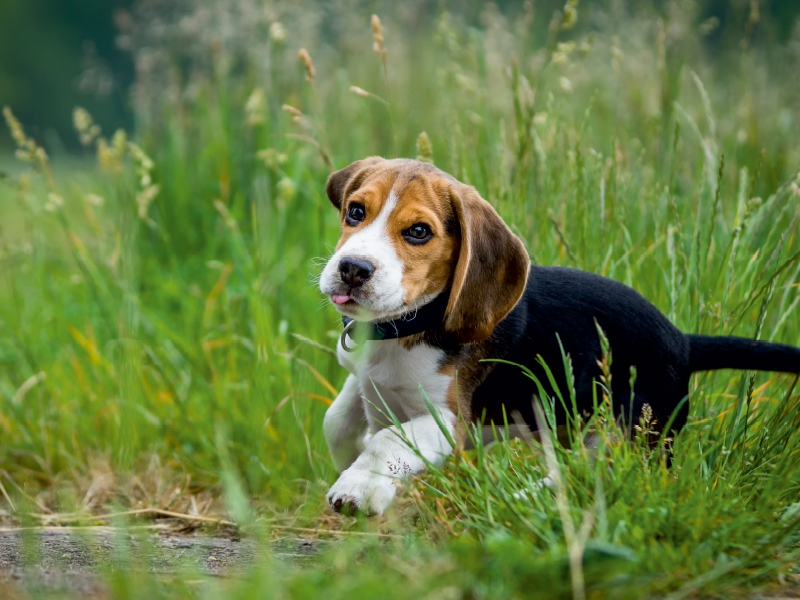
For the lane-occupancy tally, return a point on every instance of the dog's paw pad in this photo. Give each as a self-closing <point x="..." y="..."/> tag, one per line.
<point x="361" y="490"/>
<point x="344" y="506"/>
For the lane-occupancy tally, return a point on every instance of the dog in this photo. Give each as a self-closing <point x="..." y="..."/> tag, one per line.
<point x="432" y="281"/>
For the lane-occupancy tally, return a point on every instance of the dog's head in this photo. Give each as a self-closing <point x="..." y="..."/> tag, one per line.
<point x="411" y="232"/>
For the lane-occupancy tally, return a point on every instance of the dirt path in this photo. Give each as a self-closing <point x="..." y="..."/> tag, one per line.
<point x="73" y="560"/>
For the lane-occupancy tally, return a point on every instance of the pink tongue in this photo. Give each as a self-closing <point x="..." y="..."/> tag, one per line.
<point x="339" y="298"/>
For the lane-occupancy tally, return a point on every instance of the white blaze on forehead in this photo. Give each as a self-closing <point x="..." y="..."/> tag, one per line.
<point x="373" y="243"/>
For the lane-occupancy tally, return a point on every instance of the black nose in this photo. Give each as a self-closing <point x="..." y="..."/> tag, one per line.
<point x="355" y="271"/>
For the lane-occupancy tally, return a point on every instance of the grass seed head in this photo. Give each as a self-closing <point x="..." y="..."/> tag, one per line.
<point x="287" y="189"/>
<point x="54" y="202"/>
<point x="424" y="148"/>
<point x="708" y="26"/>
<point x="254" y="107"/>
<point x="562" y="52"/>
<point x="15" y="127"/>
<point x="377" y="35"/>
<point x="147" y="189"/>
<point x="119" y="141"/>
<point x="144" y="163"/>
<point x="85" y="126"/>
<point x="570" y="15"/>
<point x="27" y="149"/>
<point x="359" y="91"/>
<point x="305" y="58"/>
<point x="144" y="198"/>
<point x="377" y="38"/>
<point x="277" y="32"/>
<point x="95" y="200"/>
<point x="110" y="156"/>
<point x="295" y="112"/>
<point x="271" y="157"/>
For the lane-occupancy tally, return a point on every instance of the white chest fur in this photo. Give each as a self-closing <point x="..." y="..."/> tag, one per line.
<point x="386" y="377"/>
<point x="390" y="377"/>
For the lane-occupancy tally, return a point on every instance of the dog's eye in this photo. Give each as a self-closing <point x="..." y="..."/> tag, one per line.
<point x="355" y="214"/>
<point x="418" y="234"/>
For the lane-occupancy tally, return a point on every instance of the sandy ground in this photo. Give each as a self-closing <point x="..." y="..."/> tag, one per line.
<point x="73" y="560"/>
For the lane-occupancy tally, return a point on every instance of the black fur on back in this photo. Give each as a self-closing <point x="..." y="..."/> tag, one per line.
<point x="561" y="303"/>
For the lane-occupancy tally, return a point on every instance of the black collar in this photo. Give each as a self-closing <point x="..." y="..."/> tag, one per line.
<point x="429" y="316"/>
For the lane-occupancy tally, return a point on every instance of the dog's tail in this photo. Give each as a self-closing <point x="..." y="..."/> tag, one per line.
<point x="707" y="353"/>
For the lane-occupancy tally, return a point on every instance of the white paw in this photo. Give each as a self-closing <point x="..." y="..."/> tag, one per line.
<point x="361" y="489"/>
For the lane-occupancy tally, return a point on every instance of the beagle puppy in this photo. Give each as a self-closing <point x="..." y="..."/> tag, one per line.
<point x="430" y="281"/>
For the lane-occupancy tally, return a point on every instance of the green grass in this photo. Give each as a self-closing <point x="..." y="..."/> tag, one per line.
<point x="175" y="344"/>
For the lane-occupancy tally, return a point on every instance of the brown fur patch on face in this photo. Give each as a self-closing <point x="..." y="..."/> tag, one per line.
<point x="428" y="267"/>
<point x="372" y="195"/>
<point x="345" y="181"/>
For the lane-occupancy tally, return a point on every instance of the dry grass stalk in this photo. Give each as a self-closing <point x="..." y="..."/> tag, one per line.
<point x="129" y="513"/>
<point x="27" y="148"/>
<point x="380" y="50"/>
<point x="337" y="532"/>
<point x="360" y="91"/>
<point x="365" y="94"/>
<point x="305" y="58"/>
<point x="8" y="498"/>
<point x="377" y="39"/>
<point x="295" y="112"/>
<point x="147" y="189"/>
<point x="83" y="528"/>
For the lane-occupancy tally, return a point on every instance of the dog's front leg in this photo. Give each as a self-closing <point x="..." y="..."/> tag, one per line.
<point x="368" y="484"/>
<point x="345" y="425"/>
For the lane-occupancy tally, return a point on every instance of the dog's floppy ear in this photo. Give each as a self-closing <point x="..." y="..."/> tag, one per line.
<point x="345" y="181"/>
<point x="491" y="271"/>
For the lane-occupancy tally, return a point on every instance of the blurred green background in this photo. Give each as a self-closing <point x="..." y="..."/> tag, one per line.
<point x="55" y="55"/>
<point x="58" y="54"/>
